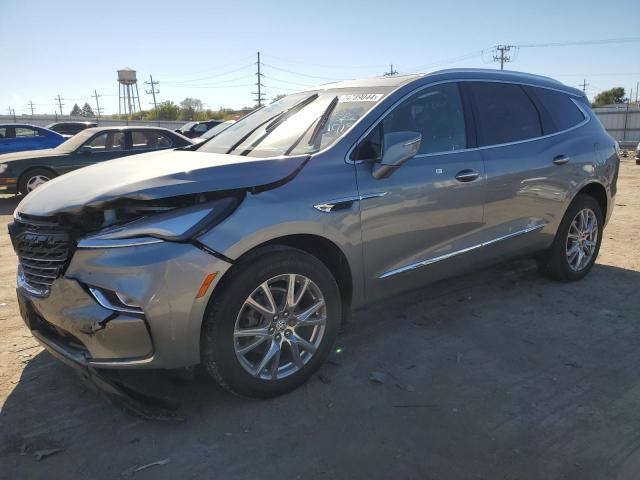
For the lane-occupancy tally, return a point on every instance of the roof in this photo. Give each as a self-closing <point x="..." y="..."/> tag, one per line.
<point x="28" y="125"/>
<point x="458" y="73"/>
<point x="125" y="127"/>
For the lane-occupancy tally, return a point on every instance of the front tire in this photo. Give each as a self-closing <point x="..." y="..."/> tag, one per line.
<point x="577" y="242"/>
<point x="272" y="324"/>
<point x="32" y="179"/>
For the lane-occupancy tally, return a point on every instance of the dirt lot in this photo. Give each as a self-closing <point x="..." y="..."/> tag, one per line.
<point x="501" y="374"/>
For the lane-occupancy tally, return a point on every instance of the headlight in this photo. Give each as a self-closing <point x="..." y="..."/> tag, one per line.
<point x="3" y="167"/>
<point x="176" y="225"/>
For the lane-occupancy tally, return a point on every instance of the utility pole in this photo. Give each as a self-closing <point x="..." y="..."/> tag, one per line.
<point x="259" y="93"/>
<point x="31" y="107"/>
<point x="584" y="86"/>
<point x="96" y="96"/>
<point x="12" y="111"/>
<point x="153" y="92"/>
<point x="637" y="86"/>
<point x="391" y="72"/>
<point x="60" y="103"/>
<point x="502" y="58"/>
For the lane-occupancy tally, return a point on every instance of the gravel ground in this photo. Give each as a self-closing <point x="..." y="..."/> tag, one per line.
<point x="499" y="374"/>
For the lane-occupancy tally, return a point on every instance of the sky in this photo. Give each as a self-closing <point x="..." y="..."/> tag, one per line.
<point x="207" y="49"/>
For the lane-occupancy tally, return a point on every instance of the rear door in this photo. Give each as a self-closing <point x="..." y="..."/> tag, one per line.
<point x="525" y="160"/>
<point x="149" y="140"/>
<point x="431" y="209"/>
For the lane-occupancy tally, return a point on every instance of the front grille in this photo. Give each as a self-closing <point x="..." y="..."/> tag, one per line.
<point x="43" y="250"/>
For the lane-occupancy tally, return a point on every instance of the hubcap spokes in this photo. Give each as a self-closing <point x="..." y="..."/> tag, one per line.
<point x="36" y="181"/>
<point x="582" y="239"/>
<point x="280" y="326"/>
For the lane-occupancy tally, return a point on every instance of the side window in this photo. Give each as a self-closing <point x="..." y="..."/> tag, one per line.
<point x="435" y="112"/>
<point x="563" y="113"/>
<point x="22" y="132"/>
<point x="201" y="128"/>
<point x="504" y="113"/>
<point x="107" y="142"/>
<point x="149" y="140"/>
<point x="3" y="132"/>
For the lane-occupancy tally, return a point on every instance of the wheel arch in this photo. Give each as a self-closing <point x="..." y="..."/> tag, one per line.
<point x="320" y="247"/>
<point x="599" y="193"/>
<point x="31" y="169"/>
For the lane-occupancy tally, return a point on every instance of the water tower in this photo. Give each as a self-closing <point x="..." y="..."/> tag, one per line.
<point x="128" y="92"/>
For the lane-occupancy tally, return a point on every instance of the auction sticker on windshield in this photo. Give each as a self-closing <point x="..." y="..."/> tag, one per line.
<point x="360" y="97"/>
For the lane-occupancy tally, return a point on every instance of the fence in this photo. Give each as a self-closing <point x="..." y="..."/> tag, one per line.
<point x="44" y="120"/>
<point x="622" y="122"/>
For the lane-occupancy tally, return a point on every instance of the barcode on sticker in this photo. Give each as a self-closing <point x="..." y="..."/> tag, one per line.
<point x="360" y="97"/>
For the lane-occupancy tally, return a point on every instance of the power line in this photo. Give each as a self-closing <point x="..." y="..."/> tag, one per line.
<point x="260" y="96"/>
<point x="208" y="77"/>
<point x="502" y="56"/>
<point x="60" y="103"/>
<point x="153" y="92"/>
<point x="605" y="41"/>
<point x="98" y="110"/>
<point x="300" y="74"/>
<point x="391" y="72"/>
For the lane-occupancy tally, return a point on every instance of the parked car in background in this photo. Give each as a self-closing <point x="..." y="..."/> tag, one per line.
<point x="17" y="137"/>
<point x="638" y="154"/>
<point x="214" y="131"/>
<point x="196" y="129"/>
<point x="247" y="253"/>
<point x="69" y="129"/>
<point x="24" y="171"/>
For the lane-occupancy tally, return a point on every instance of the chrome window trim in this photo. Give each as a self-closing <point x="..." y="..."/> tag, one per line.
<point x="120" y="243"/>
<point x="430" y="261"/>
<point x="327" y="207"/>
<point x="572" y="96"/>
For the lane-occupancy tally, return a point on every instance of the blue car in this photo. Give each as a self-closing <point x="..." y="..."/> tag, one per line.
<point x="16" y="137"/>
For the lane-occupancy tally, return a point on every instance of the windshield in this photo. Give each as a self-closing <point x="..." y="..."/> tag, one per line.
<point x="187" y="126"/>
<point x="217" y="129"/>
<point x="301" y="123"/>
<point x="76" y="141"/>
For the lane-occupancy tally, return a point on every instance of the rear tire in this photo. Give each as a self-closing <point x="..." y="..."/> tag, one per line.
<point x="574" y="250"/>
<point x="32" y="179"/>
<point x="240" y="309"/>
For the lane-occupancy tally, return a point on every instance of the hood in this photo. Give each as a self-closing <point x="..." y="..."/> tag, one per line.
<point x="47" y="152"/>
<point x="157" y="175"/>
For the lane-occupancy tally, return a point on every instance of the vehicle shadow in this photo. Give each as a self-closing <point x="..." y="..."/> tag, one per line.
<point x="461" y="343"/>
<point x="8" y="203"/>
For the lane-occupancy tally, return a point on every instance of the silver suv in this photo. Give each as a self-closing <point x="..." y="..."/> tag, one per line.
<point x="246" y="253"/>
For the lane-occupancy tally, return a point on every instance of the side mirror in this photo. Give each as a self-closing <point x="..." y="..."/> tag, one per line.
<point x="398" y="148"/>
<point x="86" y="149"/>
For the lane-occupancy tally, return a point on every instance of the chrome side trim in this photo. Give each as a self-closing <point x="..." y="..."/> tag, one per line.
<point x="439" y="258"/>
<point x="127" y="242"/>
<point x="104" y="302"/>
<point x="572" y="96"/>
<point x="328" y="206"/>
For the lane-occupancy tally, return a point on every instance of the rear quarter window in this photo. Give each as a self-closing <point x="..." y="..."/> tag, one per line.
<point x="562" y="112"/>
<point x="504" y="113"/>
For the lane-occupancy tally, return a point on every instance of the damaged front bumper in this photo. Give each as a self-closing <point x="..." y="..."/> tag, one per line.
<point x="163" y="331"/>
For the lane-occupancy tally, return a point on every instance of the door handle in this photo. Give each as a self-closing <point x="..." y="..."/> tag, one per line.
<point x="467" y="175"/>
<point x="560" y="159"/>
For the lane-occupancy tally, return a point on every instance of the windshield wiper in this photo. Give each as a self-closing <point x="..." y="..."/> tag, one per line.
<point x="273" y="123"/>
<point x="322" y="122"/>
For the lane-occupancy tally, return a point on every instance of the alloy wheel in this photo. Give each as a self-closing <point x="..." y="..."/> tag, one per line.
<point x="280" y="326"/>
<point x="35" y="181"/>
<point x="582" y="239"/>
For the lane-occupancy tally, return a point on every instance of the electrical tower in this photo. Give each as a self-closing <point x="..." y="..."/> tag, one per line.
<point x="60" y="104"/>
<point x="391" y="72"/>
<point x="98" y="110"/>
<point x="31" y="107"/>
<point x="260" y="95"/>
<point x="584" y="86"/>
<point x="501" y="54"/>
<point x="153" y="92"/>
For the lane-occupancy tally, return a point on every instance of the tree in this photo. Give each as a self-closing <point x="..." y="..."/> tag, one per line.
<point x="75" y="111"/>
<point x="189" y="108"/>
<point x="167" y="110"/>
<point x="87" y="111"/>
<point x="608" y="97"/>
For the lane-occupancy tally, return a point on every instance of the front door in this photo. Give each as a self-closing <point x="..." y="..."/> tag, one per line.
<point x="428" y="212"/>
